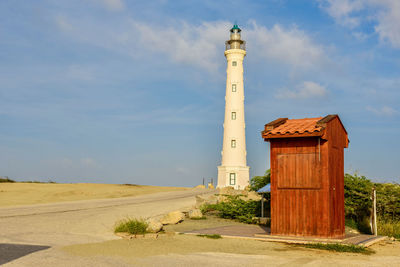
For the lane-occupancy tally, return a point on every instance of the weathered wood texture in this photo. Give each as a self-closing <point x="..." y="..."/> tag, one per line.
<point x="307" y="183"/>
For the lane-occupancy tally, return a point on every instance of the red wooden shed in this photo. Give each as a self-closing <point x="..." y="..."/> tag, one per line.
<point x="307" y="176"/>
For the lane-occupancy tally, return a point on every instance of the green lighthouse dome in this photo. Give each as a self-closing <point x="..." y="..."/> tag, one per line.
<point x="236" y="27"/>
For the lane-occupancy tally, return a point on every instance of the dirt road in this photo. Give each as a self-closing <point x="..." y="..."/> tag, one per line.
<point x="80" y="234"/>
<point x="27" y="228"/>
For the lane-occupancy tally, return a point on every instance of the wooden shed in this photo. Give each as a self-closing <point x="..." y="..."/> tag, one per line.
<point x="307" y="176"/>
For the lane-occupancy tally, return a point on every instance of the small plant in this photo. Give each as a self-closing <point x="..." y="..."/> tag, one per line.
<point x="207" y="208"/>
<point x="131" y="226"/>
<point x="235" y="208"/>
<point x="199" y="218"/>
<point x="214" y="236"/>
<point x="339" y="248"/>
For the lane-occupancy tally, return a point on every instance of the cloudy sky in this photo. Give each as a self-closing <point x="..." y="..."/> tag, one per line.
<point x="114" y="91"/>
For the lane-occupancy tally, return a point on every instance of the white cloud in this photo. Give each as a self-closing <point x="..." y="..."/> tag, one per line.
<point x="388" y="26"/>
<point x="341" y="10"/>
<point x="305" y="90"/>
<point x="201" y="45"/>
<point x="188" y="44"/>
<point x="291" y="46"/>
<point x="383" y="111"/>
<point x="63" y="24"/>
<point x="360" y="36"/>
<point x="198" y="45"/>
<point x="351" y="13"/>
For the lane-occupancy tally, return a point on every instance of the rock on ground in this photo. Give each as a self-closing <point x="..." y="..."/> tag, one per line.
<point x="244" y="194"/>
<point x="195" y="213"/>
<point x="205" y="199"/>
<point x="154" y="225"/>
<point x="201" y="186"/>
<point x="173" y="217"/>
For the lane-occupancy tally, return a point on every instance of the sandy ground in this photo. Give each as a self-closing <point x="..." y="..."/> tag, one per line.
<point x="12" y="194"/>
<point x="82" y="236"/>
<point x="185" y="250"/>
<point x="34" y="235"/>
<point x="210" y="222"/>
<point x="84" y="221"/>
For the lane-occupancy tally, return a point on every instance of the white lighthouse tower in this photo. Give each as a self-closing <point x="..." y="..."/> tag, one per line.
<point x="233" y="170"/>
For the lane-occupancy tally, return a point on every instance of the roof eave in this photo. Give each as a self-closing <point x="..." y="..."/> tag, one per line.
<point x="268" y="136"/>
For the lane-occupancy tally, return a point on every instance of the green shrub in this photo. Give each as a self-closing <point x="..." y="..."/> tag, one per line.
<point x="358" y="204"/>
<point x="388" y="201"/>
<point x="389" y="228"/>
<point x="214" y="236"/>
<point x="209" y="208"/>
<point x="357" y="194"/>
<point x="132" y="226"/>
<point x="235" y="208"/>
<point x="258" y="182"/>
<point x="351" y="223"/>
<point x="6" y="180"/>
<point x="339" y="248"/>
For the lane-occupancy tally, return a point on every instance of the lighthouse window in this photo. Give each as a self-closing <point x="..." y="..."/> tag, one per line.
<point x="233" y="143"/>
<point x="232" y="178"/>
<point x="234" y="63"/>
<point x="233" y="115"/>
<point x="233" y="87"/>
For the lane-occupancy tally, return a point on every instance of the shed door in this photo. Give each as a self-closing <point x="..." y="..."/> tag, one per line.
<point x="298" y="170"/>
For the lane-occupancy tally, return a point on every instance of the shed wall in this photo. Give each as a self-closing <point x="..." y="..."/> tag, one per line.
<point x="299" y="207"/>
<point x="337" y="141"/>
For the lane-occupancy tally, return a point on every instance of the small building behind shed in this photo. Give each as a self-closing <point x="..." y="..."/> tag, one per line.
<point x="307" y="176"/>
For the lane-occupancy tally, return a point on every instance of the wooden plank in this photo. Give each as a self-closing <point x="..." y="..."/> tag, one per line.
<point x="297" y="171"/>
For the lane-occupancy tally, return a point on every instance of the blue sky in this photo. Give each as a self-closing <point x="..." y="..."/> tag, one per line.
<point x="114" y="91"/>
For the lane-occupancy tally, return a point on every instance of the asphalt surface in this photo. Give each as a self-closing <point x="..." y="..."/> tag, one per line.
<point x="32" y="230"/>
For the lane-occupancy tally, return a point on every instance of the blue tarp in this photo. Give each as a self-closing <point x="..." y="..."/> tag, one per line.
<point x="265" y="189"/>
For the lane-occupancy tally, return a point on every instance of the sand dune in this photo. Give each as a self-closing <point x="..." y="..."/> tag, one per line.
<point x="12" y="194"/>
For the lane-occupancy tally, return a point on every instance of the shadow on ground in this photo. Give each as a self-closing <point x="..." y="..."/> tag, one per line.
<point x="10" y="252"/>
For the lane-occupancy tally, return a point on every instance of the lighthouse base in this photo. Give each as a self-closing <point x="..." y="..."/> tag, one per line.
<point x="235" y="176"/>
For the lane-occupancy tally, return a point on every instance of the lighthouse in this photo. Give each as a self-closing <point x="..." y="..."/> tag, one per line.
<point x="233" y="170"/>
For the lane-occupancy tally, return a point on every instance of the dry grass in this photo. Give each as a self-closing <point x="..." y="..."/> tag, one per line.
<point x="339" y="248"/>
<point x="389" y="228"/>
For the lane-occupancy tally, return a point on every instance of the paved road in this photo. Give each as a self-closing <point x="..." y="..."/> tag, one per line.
<point x="27" y="229"/>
